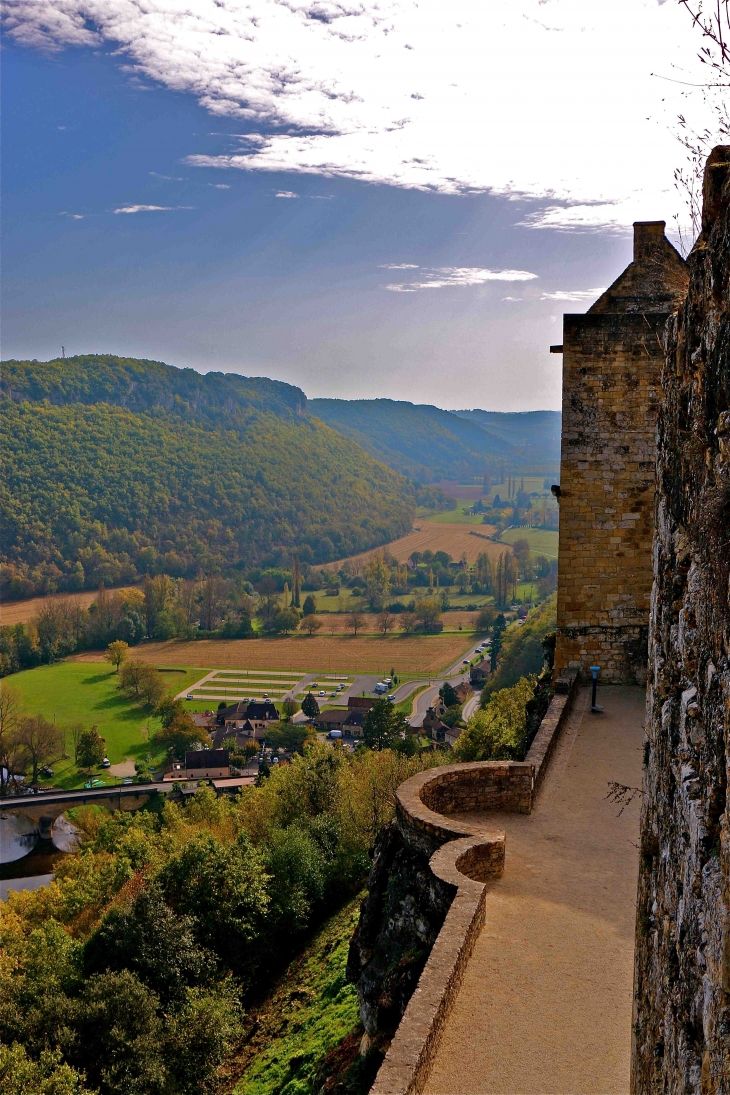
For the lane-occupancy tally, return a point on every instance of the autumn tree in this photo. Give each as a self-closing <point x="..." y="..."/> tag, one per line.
<point x="385" y="622"/>
<point x="131" y="675"/>
<point x="10" y="707"/>
<point x="116" y="653"/>
<point x="355" y="621"/>
<point x="38" y="741"/>
<point x="91" y="748"/>
<point x="377" y="580"/>
<point x="310" y="624"/>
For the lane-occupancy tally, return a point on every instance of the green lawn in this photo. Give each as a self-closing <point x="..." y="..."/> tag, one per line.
<point x="86" y="692"/>
<point x="542" y="541"/>
<point x="457" y="516"/>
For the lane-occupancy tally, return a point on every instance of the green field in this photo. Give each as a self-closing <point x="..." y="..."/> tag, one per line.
<point x="542" y="541"/>
<point x="457" y="516"/>
<point x="86" y="692"/>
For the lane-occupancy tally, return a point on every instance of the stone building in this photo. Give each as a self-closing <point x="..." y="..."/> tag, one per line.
<point x="612" y="358"/>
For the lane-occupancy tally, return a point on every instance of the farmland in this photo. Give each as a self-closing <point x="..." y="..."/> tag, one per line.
<point x="409" y="655"/>
<point x="18" y="612"/>
<point x="542" y="541"/>
<point x="456" y="539"/>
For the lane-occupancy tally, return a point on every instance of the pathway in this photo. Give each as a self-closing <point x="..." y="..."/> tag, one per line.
<point x="545" y="1004"/>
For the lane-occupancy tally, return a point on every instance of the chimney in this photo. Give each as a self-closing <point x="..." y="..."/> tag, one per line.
<point x="647" y="235"/>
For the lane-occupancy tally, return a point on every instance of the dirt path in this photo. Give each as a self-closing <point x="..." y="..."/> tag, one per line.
<point x="545" y="1006"/>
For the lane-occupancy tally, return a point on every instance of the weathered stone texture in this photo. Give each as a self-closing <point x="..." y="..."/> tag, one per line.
<point x="682" y="990"/>
<point x="612" y="359"/>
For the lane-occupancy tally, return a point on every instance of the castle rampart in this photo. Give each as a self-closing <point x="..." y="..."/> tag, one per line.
<point x="612" y="358"/>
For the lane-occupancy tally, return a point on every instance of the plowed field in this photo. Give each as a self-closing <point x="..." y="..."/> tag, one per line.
<point x="17" y="612"/>
<point x="407" y="654"/>
<point x="457" y="540"/>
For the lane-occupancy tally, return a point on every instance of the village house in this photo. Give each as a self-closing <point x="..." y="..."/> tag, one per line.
<point x="248" y="720"/>
<point x="207" y="764"/>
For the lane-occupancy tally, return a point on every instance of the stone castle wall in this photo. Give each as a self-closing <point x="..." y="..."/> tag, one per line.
<point x="612" y="358"/>
<point x="682" y="986"/>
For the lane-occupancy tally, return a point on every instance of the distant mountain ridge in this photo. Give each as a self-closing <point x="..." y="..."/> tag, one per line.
<point x="430" y="444"/>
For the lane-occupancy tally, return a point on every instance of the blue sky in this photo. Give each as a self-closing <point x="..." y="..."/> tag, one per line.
<point x="439" y="277"/>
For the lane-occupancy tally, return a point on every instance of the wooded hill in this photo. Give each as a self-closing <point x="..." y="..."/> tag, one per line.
<point x="115" y="467"/>
<point x="430" y="444"/>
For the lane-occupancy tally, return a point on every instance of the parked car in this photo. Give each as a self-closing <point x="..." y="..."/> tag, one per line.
<point x="322" y="692"/>
<point x="106" y="763"/>
<point x="91" y="783"/>
<point x="46" y="771"/>
<point x="189" y="696"/>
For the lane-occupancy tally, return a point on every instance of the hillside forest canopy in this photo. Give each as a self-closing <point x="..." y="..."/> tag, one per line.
<point x="116" y="468"/>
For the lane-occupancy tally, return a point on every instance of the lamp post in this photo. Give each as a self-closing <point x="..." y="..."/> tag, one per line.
<point x="595" y="708"/>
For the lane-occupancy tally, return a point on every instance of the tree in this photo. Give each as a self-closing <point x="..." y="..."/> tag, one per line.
<point x="180" y="733"/>
<point x="428" y="612"/>
<point x="377" y="580"/>
<point x="289" y="707"/>
<point x="385" y="622"/>
<point x="131" y="675"/>
<point x="250" y="749"/>
<point x="38" y="742"/>
<point x="383" y="726"/>
<point x="310" y="605"/>
<point x="286" y="620"/>
<point x="407" y="622"/>
<point x="310" y="624"/>
<point x="496" y="732"/>
<point x="355" y="621"/>
<point x="151" y="687"/>
<point x="9" y="720"/>
<point x="75" y="729"/>
<point x="485" y="619"/>
<point x="116" y="653"/>
<point x="448" y="694"/>
<point x="310" y="707"/>
<point x="91" y="749"/>
<point x="22" y="1075"/>
<point x="500" y="625"/>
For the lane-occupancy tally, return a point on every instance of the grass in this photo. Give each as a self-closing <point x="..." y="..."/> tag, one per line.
<point x="457" y="516"/>
<point x="86" y="692"/>
<point x="542" y="541"/>
<point x="309" y="1012"/>
<point x="416" y="655"/>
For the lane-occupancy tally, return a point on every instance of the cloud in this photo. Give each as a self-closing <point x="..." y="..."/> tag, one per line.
<point x="170" y="178"/>
<point x="513" y="299"/>
<point x="443" y="277"/>
<point x="220" y="186"/>
<point x="73" y="216"/>
<point x="285" y="194"/>
<point x="574" y="294"/>
<point x="399" y="266"/>
<point x="454" y="99"/>
<point x="151" y="208"/>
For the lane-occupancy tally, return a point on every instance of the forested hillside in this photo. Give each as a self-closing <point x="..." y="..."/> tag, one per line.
<point x="217" y="473"/>
<point x="419" y="440"/>
<point x="430" y="444"/>
<point x="534" y="436"/>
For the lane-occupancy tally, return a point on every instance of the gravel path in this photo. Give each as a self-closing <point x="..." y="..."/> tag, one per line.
<point x="545" y="1005"/>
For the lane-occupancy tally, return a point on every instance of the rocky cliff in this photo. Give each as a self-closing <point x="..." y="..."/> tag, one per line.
<point x="682" y="998"/>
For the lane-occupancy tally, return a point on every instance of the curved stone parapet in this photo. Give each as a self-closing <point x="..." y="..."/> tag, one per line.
<point x="465" y="856"/>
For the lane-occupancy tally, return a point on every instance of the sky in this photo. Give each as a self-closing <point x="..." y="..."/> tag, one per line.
<point x="366" y="198"/>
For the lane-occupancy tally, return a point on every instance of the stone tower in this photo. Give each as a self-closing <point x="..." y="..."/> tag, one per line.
<point x="612" y="358"/>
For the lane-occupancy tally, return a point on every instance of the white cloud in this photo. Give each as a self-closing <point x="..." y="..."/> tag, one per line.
<point x="574" y="294"/>
<point x="150" y="208"/>
<point x="552" y="100"/>
<point x="220" y="186"/>
<point x="73" y="216"/>
<point x="444" y="277"/>
<point x="170" y="178"/>
<point x="285" y="194"/>
<point x="513" y="299"/>
<point x="399" y="266"/>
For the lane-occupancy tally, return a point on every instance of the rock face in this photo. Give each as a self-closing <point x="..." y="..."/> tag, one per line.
<point x="400" y="919"/>
<point x="682" y="990"/>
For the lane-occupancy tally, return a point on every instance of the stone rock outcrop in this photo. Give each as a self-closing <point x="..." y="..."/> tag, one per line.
<point x="400" y="918"/>
<point x="682" y="989"/>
